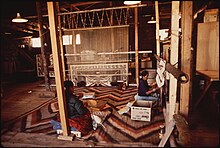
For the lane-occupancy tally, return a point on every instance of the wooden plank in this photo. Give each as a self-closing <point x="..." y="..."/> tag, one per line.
<point x="186" y="23"/>
<point x="174" y="56"/>
<point x="157" y="28"/>
<point x="60" y="40"/>
<point x="212" y="74"/>
<point x="167" y="134"/>
<point x="112" y="32"/>
<point x="104" y="9"/>
<point x="69" y="138"/>
<point x="58" y="69"/>
<point x="207" y="55"/>
<point x="136" y="44"/>
<point x="107" y="53"/>
<point x="93" y="28"/>
<point x="73" y="44"/>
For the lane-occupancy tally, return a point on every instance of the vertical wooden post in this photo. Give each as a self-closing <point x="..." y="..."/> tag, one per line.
<point x="111" y="13"/>
<point x="58" y="69"/>
<point x="136" y="44"/>
<point x="112" y="30"/>
<point x="157" y="28"/>
<point x="42" y="40"/>
<point x="186" y="25"/>
<point x="174" y="56"/>
<point x="74" y="42"/>
<point x="60" y="41"/>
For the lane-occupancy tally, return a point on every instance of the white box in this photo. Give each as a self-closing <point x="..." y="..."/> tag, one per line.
<point x="141" y="110"/>
<point x="88" y="95"/>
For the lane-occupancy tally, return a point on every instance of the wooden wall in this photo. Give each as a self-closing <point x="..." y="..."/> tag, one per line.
<point x="111" y="40"/>
<point x="207" y="57"/>
<point x="99" y="46"/>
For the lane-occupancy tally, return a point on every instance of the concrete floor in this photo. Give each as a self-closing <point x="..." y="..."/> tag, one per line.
<point x="20" y="98"/>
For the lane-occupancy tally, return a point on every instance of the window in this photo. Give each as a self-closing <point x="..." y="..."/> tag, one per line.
<point x="67" y="39"/>
<point x="36" y="42"/>
<point x="163" y="33"/>
<point x="78" y="41"/>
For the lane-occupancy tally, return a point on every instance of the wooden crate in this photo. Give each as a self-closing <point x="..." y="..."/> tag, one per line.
<point x="211" y="15"/>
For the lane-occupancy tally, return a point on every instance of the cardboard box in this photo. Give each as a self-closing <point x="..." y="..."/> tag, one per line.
<point x="211" y="15"/>
<point x="141" y="110"/>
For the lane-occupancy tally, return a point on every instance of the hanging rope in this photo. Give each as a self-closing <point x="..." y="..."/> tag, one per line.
<point x="100" y="21"/>
<point x="83" y="20"/>
<point x="69" y="22"/>
<point x="64" y="22"/>
<point x="103" y="12"/>
<point x="118" y="19"/>
<point x="72" y="21"/>
<point x="76" y="20"/>
<point x="91" y="21"/>
<point x="120" y="16"/>
<point x="126" y="14"/>
<point x="109" y="22"/>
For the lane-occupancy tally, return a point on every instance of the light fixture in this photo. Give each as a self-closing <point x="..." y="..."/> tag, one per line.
<point x="7" y="33"/>
<point x="131" y="2"/>
<point x="19" y="19"/>
<point x="152" y="21"/>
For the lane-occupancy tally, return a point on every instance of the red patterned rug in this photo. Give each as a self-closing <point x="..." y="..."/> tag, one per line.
<point x="117" y="128"/>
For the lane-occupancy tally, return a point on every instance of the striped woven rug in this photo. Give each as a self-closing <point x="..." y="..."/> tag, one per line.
<point x="117" y="128"/>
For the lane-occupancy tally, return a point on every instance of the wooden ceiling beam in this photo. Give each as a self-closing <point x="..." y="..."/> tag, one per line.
<point x="75" y="8"/>
<point x="89" y="6"/>
<point x="20" y="29"/>
<point x="87" y="3"/>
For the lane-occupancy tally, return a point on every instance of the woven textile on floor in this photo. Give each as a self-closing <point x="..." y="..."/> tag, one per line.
<point x="116" y="128"/>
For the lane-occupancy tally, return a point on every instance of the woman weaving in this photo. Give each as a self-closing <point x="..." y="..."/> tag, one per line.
<point x="145" y="90"/>
<point x="79" y="116"/>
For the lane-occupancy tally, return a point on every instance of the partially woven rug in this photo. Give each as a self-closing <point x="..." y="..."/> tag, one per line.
<point x="116" y="128"/>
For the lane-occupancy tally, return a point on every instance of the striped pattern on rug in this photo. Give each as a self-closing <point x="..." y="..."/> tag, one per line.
<point x="120" y="128"/>
<point x="117" y="128"/>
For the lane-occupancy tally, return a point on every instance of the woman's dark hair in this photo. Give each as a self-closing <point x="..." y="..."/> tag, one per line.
<point x="68" y="84"/>
<point x="144" y="73"/>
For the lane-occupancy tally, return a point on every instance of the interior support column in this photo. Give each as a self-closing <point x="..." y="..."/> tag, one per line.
<point x="136" y="44"/>
<point x="174" y="57"/>
<point x="186" y="58"/>
<point x="58" y="69"/>
<point x="60" y="40"/>
<point x="157" y="28"/>
<point x="43" y="51"/>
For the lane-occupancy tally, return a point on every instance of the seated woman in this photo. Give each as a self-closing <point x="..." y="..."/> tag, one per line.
<point x="145" y="90"/>
<point x="79" y="116"/>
